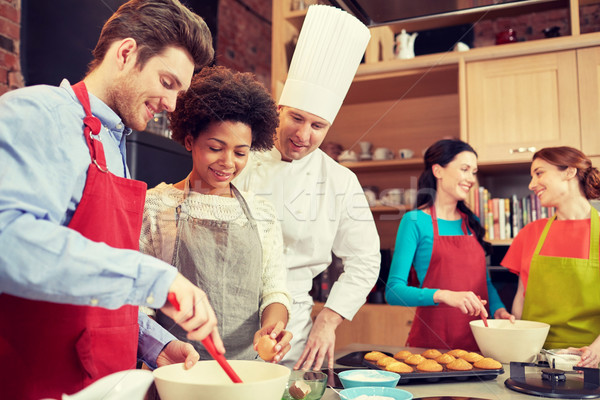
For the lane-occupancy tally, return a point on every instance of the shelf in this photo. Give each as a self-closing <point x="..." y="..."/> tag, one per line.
<point x="389" y="209"/>
<point x="384" y="165"/>
<point x="501" y="242"/>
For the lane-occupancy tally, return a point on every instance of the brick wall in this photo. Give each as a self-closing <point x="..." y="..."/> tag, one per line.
<point x="10" y="65"/>
<point x="244" y="37"/>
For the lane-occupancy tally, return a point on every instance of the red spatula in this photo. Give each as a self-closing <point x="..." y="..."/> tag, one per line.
<point x="210" y="347"/>
<point x="483" y="318"/>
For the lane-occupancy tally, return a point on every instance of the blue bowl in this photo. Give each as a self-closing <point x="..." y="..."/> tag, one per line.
<point x="396" y="394"/>
<point x="354" y="378"/>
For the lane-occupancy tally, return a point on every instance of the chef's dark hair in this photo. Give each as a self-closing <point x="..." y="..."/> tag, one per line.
<point x="219" y="94"/>
<point x="443" y="152"/>
<point x="156" y="25"/>
<point x="564" y="157"/>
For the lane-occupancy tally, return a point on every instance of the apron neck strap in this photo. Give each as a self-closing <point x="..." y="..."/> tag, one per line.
<point x="463" y="218"/>
<point x="92" y="126"/>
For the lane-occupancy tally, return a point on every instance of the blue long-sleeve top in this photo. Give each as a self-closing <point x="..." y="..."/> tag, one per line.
<point x="414" y="244"/>
<point x="43" y="169"/>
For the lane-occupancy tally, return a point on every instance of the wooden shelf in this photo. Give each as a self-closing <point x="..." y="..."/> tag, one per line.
<point x="384" y="165"/>
<point x="389" y="209"/>
<point x="501" y="242"/>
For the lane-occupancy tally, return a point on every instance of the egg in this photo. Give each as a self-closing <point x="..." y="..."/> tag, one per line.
<point x="266" y="348"/>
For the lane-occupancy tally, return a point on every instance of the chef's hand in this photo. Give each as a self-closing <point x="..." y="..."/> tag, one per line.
<point x="195" y="313"/>
<point x="177" y="351"/>
<point x="501" y="313"/>
<point x="276" y="331"/>
<point x="466" y="302"/>
<point x="321" y="341"/>
<point x="590" y="355"/>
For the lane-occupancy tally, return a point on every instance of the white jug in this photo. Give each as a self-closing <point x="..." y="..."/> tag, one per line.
<point x="124" y="385"/>
<point x="405" y="45"/>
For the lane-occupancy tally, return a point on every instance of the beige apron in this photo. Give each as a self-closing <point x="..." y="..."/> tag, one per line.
<point x="565" y="293"/>
<point x="225" y="260"/>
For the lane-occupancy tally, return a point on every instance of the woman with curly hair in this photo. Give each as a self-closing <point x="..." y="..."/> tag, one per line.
<point x="227" y="242"/>
<point x="560" y="254"/>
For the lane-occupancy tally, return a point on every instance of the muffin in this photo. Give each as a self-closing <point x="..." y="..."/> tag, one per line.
<point x="374" y="355"/>
<point x="487" y="363"/>
<point x="402" y="355"/>
<point x="430" y="366"/>
<point x="415" y="359"/>
<point x="472" y="357"/>
<point x="457" y="353"/>
<point x="445" y="358"/>
<point x="459" y="364"/>
<point x="399" y="367"/>
<point x="382" y="362"/>
<point x="431" y="353"/>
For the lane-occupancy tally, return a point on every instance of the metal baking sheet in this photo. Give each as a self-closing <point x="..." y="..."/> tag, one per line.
<point x="446" y="375"/>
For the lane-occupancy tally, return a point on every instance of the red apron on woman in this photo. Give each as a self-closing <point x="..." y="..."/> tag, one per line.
<point x="457" y="264"/>
<point x="47" y="349"/>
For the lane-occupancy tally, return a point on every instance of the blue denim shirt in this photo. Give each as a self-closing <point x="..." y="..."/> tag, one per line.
<point x="43" y="168"/>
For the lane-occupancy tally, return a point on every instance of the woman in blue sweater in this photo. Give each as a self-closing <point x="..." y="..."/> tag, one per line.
<point x="442" y="242"/>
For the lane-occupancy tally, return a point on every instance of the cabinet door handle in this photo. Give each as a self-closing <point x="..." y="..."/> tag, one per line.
<point x="522" y="150"/>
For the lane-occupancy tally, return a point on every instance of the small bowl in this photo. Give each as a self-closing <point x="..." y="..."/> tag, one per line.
<point x="562" y="358"/>
<point x="315" y="379"/>
<point x="354" y="378"/>
<point x="396" y="394"/>
<point x="506" y="342"/>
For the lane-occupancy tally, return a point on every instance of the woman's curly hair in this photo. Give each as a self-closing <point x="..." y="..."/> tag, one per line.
<point x="218" y="94"/>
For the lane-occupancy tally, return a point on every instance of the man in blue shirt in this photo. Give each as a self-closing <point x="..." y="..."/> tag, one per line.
<point x="70" y="221"/>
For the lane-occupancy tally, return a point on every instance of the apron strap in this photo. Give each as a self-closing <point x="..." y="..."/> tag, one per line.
<point x="594" y="235"/>
<point x="92" y="126"/>
<point x="463" y="217"/>
<point x="434" y="222"/>
<point x="543" y="236"/>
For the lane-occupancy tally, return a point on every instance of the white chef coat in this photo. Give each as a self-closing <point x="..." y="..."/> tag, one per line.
<point x="322" y="209"/>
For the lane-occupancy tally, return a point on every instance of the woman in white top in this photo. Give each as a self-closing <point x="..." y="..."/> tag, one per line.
<point x="228" y="243"/>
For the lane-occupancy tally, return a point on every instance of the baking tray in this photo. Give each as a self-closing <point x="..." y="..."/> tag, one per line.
<point x="446" y="375"/>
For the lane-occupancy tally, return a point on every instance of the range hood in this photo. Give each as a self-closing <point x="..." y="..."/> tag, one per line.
<point x="384" y="12"/>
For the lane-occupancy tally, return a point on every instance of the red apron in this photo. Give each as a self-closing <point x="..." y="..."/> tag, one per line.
<point x="458" y="264"/>
<point x="47" y="349"/>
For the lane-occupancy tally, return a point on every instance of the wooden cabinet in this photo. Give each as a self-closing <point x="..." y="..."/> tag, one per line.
<point x="516" y="105"/>
<point x="588" y="61"/>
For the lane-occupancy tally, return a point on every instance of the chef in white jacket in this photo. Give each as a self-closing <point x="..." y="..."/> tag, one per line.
<point x="320" y="203"/>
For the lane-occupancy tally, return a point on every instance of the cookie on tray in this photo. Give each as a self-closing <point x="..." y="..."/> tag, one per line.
<point x="459" y="364"/>
<point x="445" y="358"/>
<point x="374" y="355"/>
<point x="402" y="355"/>
<point x="457" y="353"/>
<point x="415" y="359"/>
<point x="399" y="367"/>
<point x="382" y="362"/>
<point x="487" y="363"/>
<point x="430" y="366"/>
<point x="472" y="357"/>
<point x="431" y="353"/>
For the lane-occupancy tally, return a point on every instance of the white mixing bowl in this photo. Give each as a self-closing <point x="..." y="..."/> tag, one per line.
<point x="207" y="381"/>
<point x="506" y="342"/>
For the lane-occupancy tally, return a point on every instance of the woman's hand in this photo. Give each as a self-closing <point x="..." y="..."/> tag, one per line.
<point x="283" y="338"/>
<point x="590" y="355"/>
<point x="501" y="313"/>
<point x="466" y="302"/>
<point x="177" y="351"/>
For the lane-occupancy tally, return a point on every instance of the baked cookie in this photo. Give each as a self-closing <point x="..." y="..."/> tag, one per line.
<point x="457" y="353"/>
<point x="431" y="353"/>
<point x="445" y="358"/>
<point x="382" y="362"/>
<point x="415" y="359"/>
<point x="374" y="355"/>
<point x="430" y="366"/>
<point x="472" y="357"/>
<point x="399" y="367"/>
<point x="487" y="363"/>
<point x="402" y="355"/>
<point x="459" y="364"/>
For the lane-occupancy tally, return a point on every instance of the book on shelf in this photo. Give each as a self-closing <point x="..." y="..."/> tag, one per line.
<point x="503" y="218"/>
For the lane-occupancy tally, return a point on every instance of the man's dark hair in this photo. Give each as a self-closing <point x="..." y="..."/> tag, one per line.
<point x="156" y="25"/>
<point x="218" y="94"/>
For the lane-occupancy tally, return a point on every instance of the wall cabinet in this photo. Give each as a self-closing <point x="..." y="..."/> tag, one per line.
<point x="588" y="61"/>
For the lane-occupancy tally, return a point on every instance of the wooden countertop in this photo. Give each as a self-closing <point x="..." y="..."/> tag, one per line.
<point x="488" y="389"/>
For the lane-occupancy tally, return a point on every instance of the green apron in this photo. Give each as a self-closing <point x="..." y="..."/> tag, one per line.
<point x="565" y="293"/>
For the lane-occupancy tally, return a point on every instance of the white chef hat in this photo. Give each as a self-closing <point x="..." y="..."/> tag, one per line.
<point x="330" y="47"/>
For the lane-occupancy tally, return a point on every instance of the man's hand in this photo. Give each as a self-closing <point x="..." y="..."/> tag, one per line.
<point x="177" y="351"/>
<point x="195" y="314"/>
<point x="321" y="341"/>
<point x="282" y="337"/>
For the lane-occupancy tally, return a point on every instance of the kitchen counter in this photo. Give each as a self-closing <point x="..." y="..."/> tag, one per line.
<point x="487" y="389"/>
